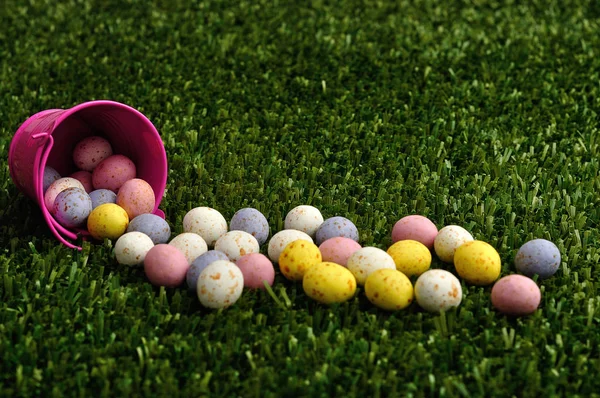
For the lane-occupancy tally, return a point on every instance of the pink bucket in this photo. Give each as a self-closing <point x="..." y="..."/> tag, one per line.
<point x="49" y="137"/>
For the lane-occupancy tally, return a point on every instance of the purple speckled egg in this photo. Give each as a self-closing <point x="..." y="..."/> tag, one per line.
<point x="152" y="225"/>
<point x="72" y="207"/>
<point x="85" y="178"/>
<point x="165" y="265"/>
<point x="516" y="295"/>
<point x="338" y="250"/>
<point x="89" y="152"/>
<point x="57" y="187"/>
<point x="256" y="269"/>
<point x="417" y="228"/>
<point x="252" y="221"/>
<point x="50" y="175"/>
<point x="102" y="196"/>
<point x="199" y="264"/>
<point x="334" y="227"/>
<point x="113" y="172"/>
<point x="538" y="256"/>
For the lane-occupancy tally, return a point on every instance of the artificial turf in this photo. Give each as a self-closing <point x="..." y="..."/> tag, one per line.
<point x="477" y="113"/>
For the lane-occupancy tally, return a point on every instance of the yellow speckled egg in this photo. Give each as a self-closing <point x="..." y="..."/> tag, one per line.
<point x="329" y="283"/>
<point x="389" y="289"/>
<point x="297" y="257"/>
<point x="107" y="221"/>
<point x="411" y="257"/>
<point x="477" y="262"/>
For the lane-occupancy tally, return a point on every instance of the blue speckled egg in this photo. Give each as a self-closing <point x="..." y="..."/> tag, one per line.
<point x="538" y="256"/>
<point x="252" y="221"/>
<point x="102" y="196"/>
<point x="334" y="227"/>
<point x="50" y="175"/>
<point x="72" y="207"/>
<point x="198" y="265"/>
<point x="152" y="225"/>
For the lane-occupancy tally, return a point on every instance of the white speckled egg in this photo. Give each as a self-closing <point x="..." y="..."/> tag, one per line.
<point x="366" y="260"/>
<point x="190" y="244"/>
<point x="281" y="239"/>
<point x="131" y="248"/>
<point x="236" y="244"/>
<point x="57" y="187"/>
<point x="448" y="240"/>
<point x="220" y="284"/>
<point x="438" y="290"/>
<point x="304" y="218"/>
<point x="206" y="222"/>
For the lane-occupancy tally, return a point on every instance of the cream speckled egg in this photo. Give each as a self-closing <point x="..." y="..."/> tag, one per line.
<point x="236" y="244"/>
<point x="191" y="245"/>
<point x="448" y="240"/>
<point x="329" y="283"/>
<point x="206" y="222"/>
<point x="281" y="239"/>
<point x="304" y="218"/>
<point x="438" y="290"/>
<point x="57" y="187"/>
<point x="131" y="248"/>
<point x="366" y="260"/>
<point x="220" y="284"/>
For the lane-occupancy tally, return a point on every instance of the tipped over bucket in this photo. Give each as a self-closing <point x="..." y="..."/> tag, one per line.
<point x="49" y="137"/>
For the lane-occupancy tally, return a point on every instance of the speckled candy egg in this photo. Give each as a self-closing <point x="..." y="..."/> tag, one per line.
<point x="113" y="172"/>
<point x="252" y="221"/>
<point x="50" y="175"/>
<point x="237" y="244"/>
<point x="411" y="257"/>
<point x="191" y="245"/>
<point x="165" y="265"/>
<point x="257" y="269"/>
<point x="88" y="153"/>
<point x="57" y="187"/>
<point x="152" y="225"/>
<point x="389" y="289"/>
<point x="448" y="240"/>
<point x="199" y="264"/>
<point x="132" y="247"/>
<point x="72" y="207"/>
<point x="516" y="295"/>
<point x="107" y="221"/>
<point x="477" y="262"/>
<point x="136" y="196"/>
<point x="206" y="222"/>
<point x="338" y="250"/>
<point x="85" y="178"/>
<point x="334" y="227"/>
<point x="417" y="228"/>
<point x="297" y="257"/>
<point x="304" y="218"/>
<point x="281" y="239"/>
<point x="102" y="196"/>
<point x="329" y="283"/>
<point x="438" y="290"/>
<point x="538" y="256"/>
<point x="220" y="285"/>
<point x="367" y="260"/>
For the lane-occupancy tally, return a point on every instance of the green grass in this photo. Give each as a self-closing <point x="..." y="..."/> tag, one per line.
<point x="482" y="114"/>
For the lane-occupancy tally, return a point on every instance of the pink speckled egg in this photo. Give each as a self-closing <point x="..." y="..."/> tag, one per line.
<point x="516" y="295"/>
<point x="85" y="178"/>
<point x="113" y="172"/>
<point x="338" y="250"/>
<point x="136" y="196"/>
<point x="165" y="265"/>
<point x="256" y="268"/>
<point x="88" y="153"/>
<point x="417" y="228"/>
<point x="57" y="187"/>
